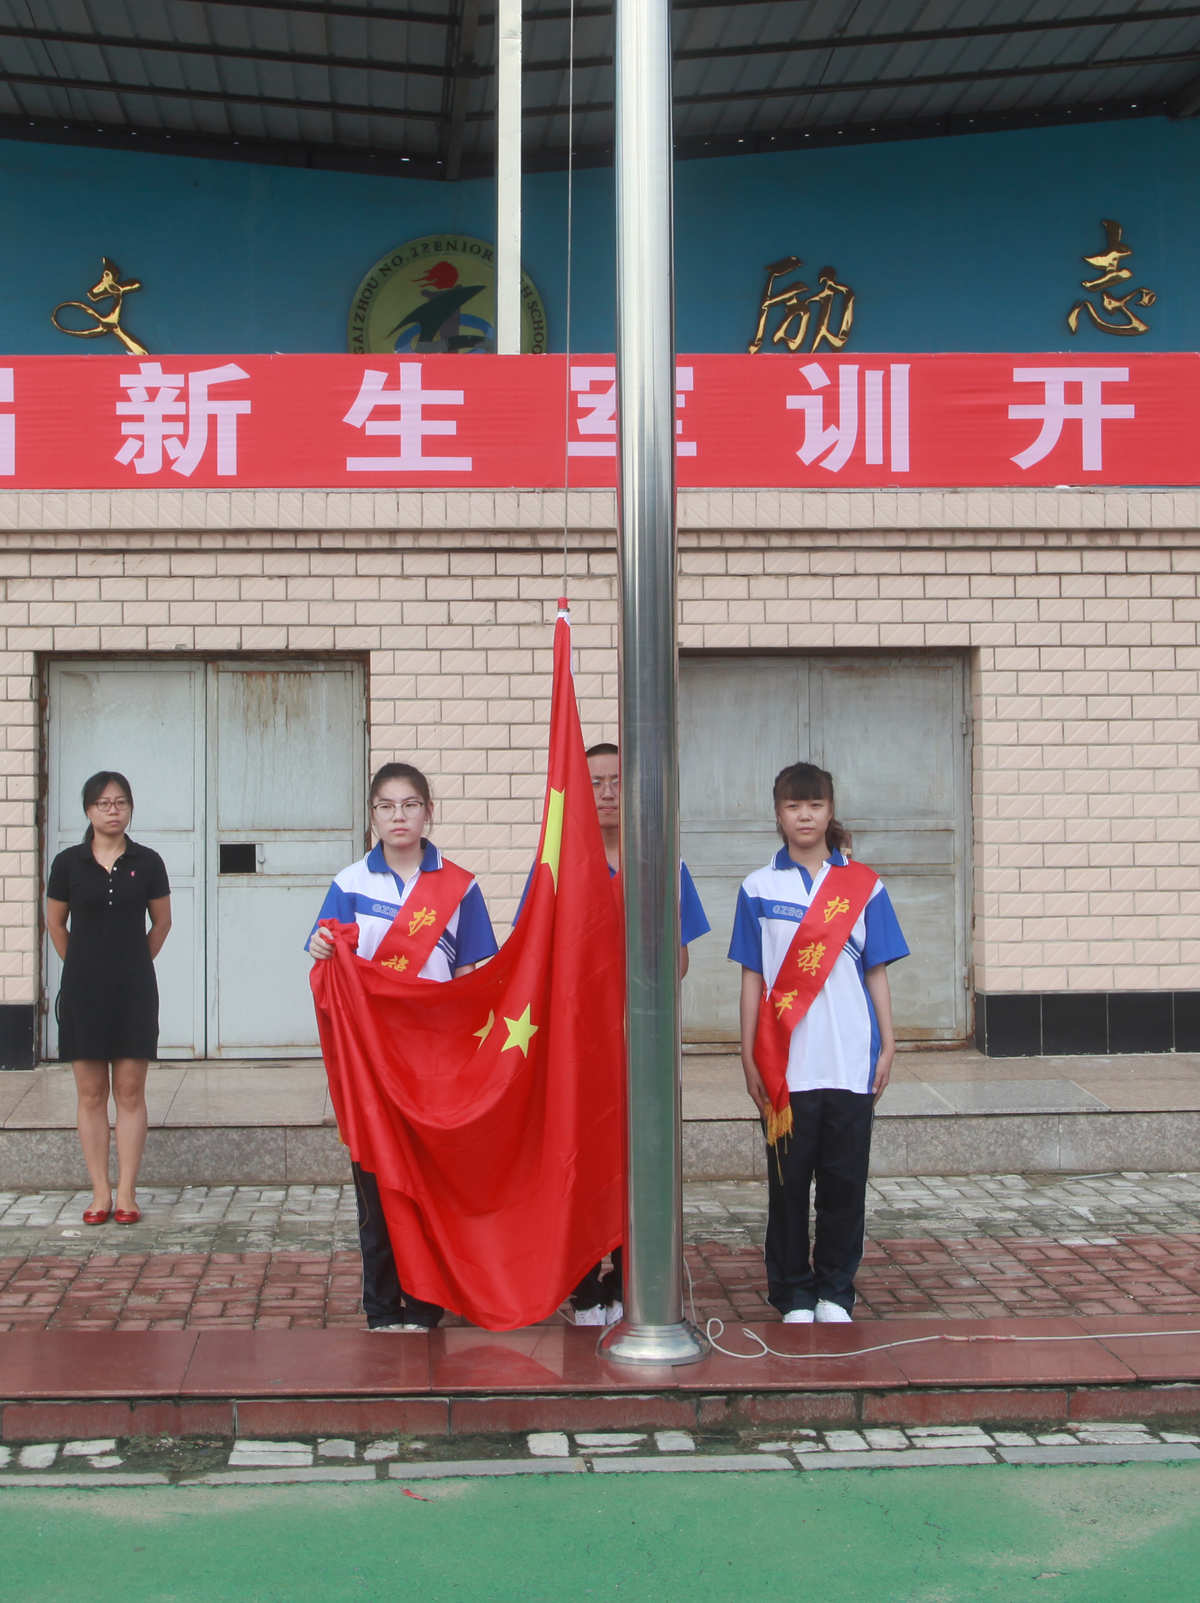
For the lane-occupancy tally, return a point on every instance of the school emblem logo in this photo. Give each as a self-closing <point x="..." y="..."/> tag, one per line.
<point x="437" y="295"/>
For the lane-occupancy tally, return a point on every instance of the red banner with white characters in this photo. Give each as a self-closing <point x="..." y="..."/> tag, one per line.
<point x="490" y="422"/>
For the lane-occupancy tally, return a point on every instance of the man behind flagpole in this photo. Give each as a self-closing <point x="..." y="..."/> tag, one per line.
<point x="598" y="1299"/>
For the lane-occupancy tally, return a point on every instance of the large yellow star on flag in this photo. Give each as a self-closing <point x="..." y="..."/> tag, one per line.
<point x="552" y="845"/>
<point x="520" y="1032"/>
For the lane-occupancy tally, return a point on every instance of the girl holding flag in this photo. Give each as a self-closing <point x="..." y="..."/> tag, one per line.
<point x="417" y="913"/>
<point x="814" y="933"/>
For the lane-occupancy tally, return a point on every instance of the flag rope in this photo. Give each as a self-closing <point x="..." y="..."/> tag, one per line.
<point x="570" y="266"/>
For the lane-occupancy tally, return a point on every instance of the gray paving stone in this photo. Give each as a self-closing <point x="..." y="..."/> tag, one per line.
<point x="87" y="1449"/>
<point x="1095" y="1453"/>
<point x="674" y="1441"/>
<point x="487" y="1466"/>
<point x="376" y="1452"/>
<point x="548" y="1444"/>
<point x="708" y="1462"/>
<point x="336" y="1447"/>
<point x="249" y="1454"/>
<point x="929" y="1437"/>
<point x="934" y="1457"/>
<point x="38" y="1455"/>
<point x="283" y="1476"/>
<point x="89" y="1479"/>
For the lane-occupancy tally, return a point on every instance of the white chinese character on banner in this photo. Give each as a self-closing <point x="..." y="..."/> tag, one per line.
<point x="595" y="417"/>
<point x="8" y="426"/>
<point x="685" y="383"/>
<point x="832" y="445"/>
<point x="1089" y="411"/>
<point x="410" y="427"/>
<point x="157" y="416"/>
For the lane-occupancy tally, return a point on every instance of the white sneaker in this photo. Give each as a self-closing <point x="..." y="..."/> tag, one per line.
<point x="614" y="1313"/>
<point x="423" y="1329"/>
<point x="832" y="1313"/>
<point x="389" y="1327"/>
<point x="592" y="1316"/>
<point x="799" y="1316"/>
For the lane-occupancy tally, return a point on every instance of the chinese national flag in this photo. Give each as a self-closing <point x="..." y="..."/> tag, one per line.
<point x="491" y="1108"/>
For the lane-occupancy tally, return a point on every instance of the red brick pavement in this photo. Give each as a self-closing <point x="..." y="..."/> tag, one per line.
<point x="968" y="1277"/>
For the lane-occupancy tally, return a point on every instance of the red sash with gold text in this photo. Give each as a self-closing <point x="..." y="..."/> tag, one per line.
<point x="814" y="949"/>
<point x="421" y="922"/>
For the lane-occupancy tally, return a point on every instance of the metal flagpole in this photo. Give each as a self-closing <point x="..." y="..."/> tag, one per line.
<point x="508" y="178"/>
<point x="654" y="1330"/>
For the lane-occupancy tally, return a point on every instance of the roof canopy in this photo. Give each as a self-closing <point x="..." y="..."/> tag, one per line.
<point x="372" y="85"/>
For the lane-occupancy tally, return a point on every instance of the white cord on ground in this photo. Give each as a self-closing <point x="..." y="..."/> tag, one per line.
<point x="715" y="1329"/>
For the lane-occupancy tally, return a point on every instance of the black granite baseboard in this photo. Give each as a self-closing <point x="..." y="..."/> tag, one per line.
<point x="1061" y="1023"/>
<point x="18" y="1031"/>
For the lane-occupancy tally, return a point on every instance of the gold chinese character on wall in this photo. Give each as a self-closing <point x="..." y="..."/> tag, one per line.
<point x="1111" y="269"/>
<point x="797" y="309"/>
<point x="109" y="288"/>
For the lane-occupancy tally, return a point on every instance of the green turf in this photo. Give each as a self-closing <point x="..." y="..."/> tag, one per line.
<point x="1093" y="1534"/>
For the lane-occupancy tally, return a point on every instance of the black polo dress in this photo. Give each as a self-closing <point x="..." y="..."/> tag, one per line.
<point x="108" y="1002"/>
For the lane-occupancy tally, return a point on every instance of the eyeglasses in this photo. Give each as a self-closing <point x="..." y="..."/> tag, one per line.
<point x="607" y="783"/>
<point x="111" y="804"/>
<point x="410" y="807"/>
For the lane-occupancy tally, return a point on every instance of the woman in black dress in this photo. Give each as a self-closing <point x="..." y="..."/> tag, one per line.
<point x="108" y="1004"/>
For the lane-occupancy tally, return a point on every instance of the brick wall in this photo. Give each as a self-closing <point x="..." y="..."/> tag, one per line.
<point x="1080" y="611"/>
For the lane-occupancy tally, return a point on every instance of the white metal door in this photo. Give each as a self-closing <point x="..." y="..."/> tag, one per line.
<point x="286" y="800"/>
<point x="892" y="731"/>
<point x="248" y="779"/>
<point x="146" y="720"/>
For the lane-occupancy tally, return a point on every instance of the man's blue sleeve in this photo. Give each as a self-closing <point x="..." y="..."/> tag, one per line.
<point x="885" y="941"/>
<point x="475" y="939"/>
<point x="524" y="893"/>
<point x="745" y="944"/>
<point x="692" y="919"/>
<point x="338" y="905"/>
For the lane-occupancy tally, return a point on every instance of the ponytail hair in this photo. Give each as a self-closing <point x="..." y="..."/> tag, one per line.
<point x="807" y="782"/>
<point x="95" y="787"/>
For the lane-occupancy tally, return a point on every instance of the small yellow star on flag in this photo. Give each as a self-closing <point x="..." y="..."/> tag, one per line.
<point x="552" y="845"/>
<point x="483" y="1034"/>
<point x="520" y="1032"/>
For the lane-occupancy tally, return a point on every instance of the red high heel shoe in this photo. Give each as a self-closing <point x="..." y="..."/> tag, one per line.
<point x="96" y="1216"/>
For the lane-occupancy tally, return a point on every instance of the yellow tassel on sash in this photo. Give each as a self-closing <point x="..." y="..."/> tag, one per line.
<point x="779" y="1124"/>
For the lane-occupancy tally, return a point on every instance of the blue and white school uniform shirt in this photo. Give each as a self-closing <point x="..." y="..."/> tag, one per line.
<point x="836" y="1043"/>
<point x="370" y="894"/>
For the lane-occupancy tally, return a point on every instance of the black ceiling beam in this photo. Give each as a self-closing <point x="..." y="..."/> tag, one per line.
<point x="335" y="8"/>
<point x="100" y="86"/>
<point x="805" y="91"/>
<point x="221" y="147"/>
<point x="214" y="52"/>
<point x="900" y="36"/>
<point x="385" y="163"/>
<point x="292" y="58"/>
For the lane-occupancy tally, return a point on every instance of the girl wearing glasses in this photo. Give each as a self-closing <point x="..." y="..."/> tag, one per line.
<point x="416" y="911"/>
<point x="98" y="898"/>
